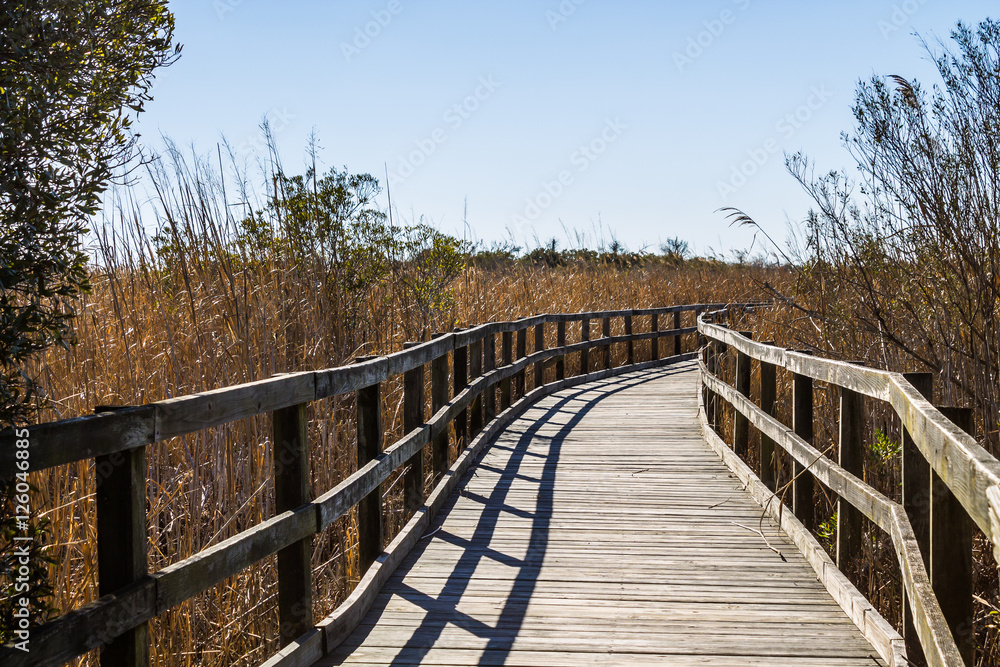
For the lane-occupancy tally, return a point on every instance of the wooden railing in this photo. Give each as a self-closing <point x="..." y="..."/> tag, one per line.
<point x="949" y="481"/>
<point x="465" y="399"/>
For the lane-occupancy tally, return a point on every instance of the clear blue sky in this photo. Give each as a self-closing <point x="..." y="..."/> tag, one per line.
<point x="548" y="114"/>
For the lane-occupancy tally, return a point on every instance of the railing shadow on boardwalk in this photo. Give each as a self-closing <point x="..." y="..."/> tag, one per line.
<point x="500" y="637"/>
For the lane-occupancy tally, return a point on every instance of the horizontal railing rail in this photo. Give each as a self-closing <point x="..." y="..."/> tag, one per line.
<point x="463" y="402"/>
<point x="956" y="485"/>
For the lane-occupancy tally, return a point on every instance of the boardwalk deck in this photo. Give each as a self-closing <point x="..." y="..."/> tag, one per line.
<point x="600" y="529"/>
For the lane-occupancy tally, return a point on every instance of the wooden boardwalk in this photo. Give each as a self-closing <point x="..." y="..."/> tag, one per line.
<point x="584" y="538"/>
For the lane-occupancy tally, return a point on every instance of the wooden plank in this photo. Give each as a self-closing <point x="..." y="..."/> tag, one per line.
<point x="507" y="358"/>
<point x="851" y="458"/>
<point x="460" y="380"/>
<point x="802" y="424"/>
<point x="741" y="427"/>
<point x="654" y="343"/>
<point x="80" y="438"/>
<point x="521" y="353"/>
<point x="439" y="398"/>
<point x="677" y="336"/>
<point x="629" y="346"/>
<point x="291" y="490"/>
<point x="951" y="551"/>
<point x="606" y="348"/>
<point x="413" y="418"/>
<point x="585" y="354"/>
<point x="768" y="395"/>
<point x="121" y="544"/>
<point x="369" y="429"/>
<point x="561" y="343"/>
<point x="475" y="371"/>
<point x="539" y="346"/>
<point x="489" y="364"/>
<point x="916" y="474"/>
<point x="186" y="414"/>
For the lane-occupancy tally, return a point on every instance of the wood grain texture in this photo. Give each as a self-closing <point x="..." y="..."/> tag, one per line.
<point x="542" y="559"/>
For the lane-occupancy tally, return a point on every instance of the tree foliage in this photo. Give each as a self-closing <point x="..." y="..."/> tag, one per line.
<point x="908" y="254"/>
<point x="71" y="75"/>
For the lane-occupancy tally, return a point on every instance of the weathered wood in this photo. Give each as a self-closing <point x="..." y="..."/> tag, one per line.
<point x="654" y="343"/>
<point x="916" y="474"/>
<point x="522" y="351"/>
<point x="951" y="551"/>
<point x="931" y="627"/>
<point x="630" y="346"/>
<point x="741" y="427"/>
<point x="802" y="424"/>
<point x="121" y="543"/>
<point x="584" y="354"/>
<point x="768" y="396"/>
<point x="606" y="348"/>
<point x="561" y="342"/>
<point x="186" y="414"/>
<point x="369" y="410"/>
<point x="507" y="358"/>
<point x="413" y="418"/>
<point x="539" y="346"/>
<point x="291" y="490"/>
<point x="851" y="458"/>
<point x="968" y="469"/>
<point x="460" y="380"/>
<point x="439" y="398"/>
<point x="487" y="581"/>
<point x="677" y="336"/>
<point x="475" y="371"/>
<point x="489" y="364"/>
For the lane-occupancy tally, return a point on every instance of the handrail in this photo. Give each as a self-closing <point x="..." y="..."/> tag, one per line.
<point x="971" y="473"/>
<point x="119" y="438"/>
<point x="949" y="450"/>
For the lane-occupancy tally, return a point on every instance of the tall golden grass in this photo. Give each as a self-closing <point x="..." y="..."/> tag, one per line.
<point x="151" y="330"/>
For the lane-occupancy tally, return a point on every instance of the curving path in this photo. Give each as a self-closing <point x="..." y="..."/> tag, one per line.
<point x="601" y="529"/>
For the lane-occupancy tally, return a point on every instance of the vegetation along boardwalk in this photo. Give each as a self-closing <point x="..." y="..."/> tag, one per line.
<point x="600" y="528"/>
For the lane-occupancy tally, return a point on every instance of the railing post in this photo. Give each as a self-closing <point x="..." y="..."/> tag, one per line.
<point x="584" y="354"/>
<point x="291" y="490"/>
<point x="475" y="370"/>
<point x="369" y="427"/>
<point x="951" y="551"/>
<point x="561" y="342"/>
<point x="489" y="364"/>
<point x="851" y="459"/>
<point x="413" y="418"/>
<point x="439" y="398"/>
<point x="677" y="337"/>
<point x="606" y="333"/>
<point x="507" y="341"/>
<point x="521" y="353"/>
<point x="121" y="543"/>
<point x="802" y="424"/>
<point x="539" y="346"/>
<point x="630" y="346"/>
<point x="768" y="395"/>
<point x="654" y="328"/>
<point x="460" y="380"/>
<point x="916" y="473"/>
<point x="741" y="425"/>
